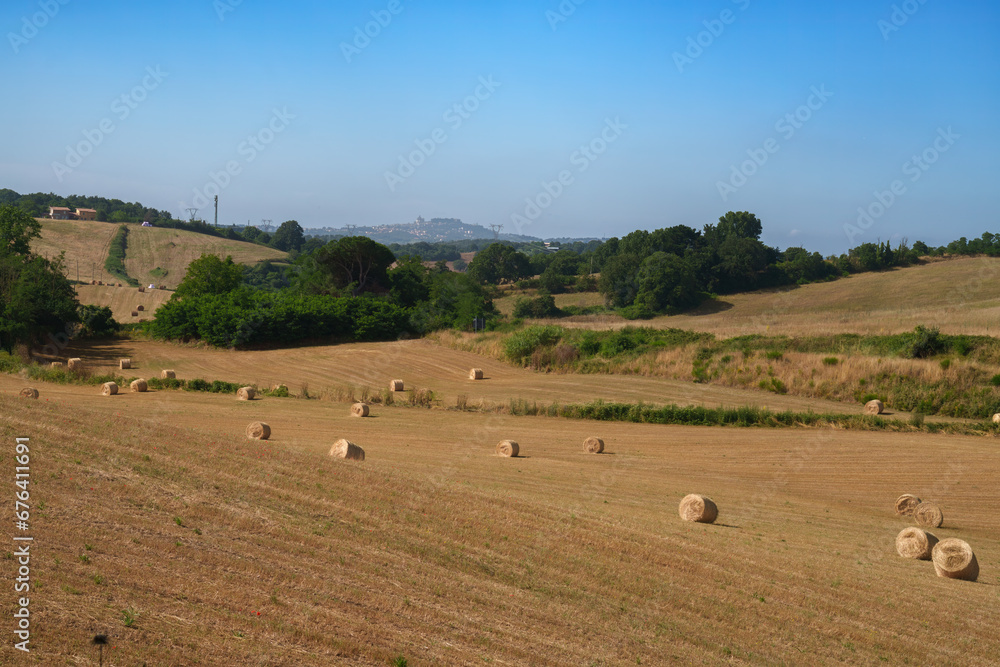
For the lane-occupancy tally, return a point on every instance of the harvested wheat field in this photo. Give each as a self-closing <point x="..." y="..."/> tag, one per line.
<point x="961" y="296"/>
<point x="235" y="551"/>
<point x="329" y="369"/>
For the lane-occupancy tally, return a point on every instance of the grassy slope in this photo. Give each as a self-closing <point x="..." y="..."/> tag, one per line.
<point x="148" y="248"/>
<point x="959" y="296"/>
<point x="123" y="300"/>
<point x="437" y="550"/>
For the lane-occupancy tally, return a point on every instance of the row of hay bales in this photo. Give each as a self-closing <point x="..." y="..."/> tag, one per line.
<point x="474" y="374"/>
<point x="953" y="558"/>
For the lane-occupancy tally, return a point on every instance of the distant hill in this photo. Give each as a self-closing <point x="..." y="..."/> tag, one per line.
<point x="435" y="230"/>
<point x="153" y="255"/>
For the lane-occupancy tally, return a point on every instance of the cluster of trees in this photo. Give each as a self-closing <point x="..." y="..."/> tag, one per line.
<point x="37" y="205"/>
<point x="350" y="289"/>
<point x="38" y="306"/>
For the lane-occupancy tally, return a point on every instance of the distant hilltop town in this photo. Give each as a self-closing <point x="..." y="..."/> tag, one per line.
<point x="435" y="230"/>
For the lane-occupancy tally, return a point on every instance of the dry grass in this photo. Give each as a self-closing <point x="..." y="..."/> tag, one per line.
<point x="432" y="545"/>
<point x="959" y="295"/>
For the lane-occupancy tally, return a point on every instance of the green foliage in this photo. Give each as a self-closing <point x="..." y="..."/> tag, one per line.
<point x="773" y="384"/>
<point x="542" y="306"/>
<point x="831" y="361"/>
<point x="499" y="263"/>
<point x="245" y="317"/>
<point x="96" y="322"/>
<point x="210" y="275"/>
<point x="926" y="343"/>
<point x="995" y="380"/>
<point x="114" y="263"/>
<point x="37" y="205"/>
<point x="354" y="264"/>
<point x="523" y="343"/>
<point x="774" y="355"/>
<point x="289" y="236"/>
<point x="37" y="302"/>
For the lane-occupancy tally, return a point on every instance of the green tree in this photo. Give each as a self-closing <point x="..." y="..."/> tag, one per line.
<point x="499" y="263"/>
<point x="353" y="263"/>
<point x="667" y="282"/>
<point x="743" y="224"/>
<point x="619" y="279"/>
<point x="289" y="236"/>
<point x="210" y="275"/>
<point x="36" y="299"/>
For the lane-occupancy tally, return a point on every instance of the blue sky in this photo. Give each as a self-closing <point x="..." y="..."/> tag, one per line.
<point x="649" y="113"/>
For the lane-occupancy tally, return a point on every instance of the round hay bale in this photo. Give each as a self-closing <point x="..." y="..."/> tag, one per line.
<point x="138" y="386"/>
<point x="345" y="449"/>
<point x="359" y="410"/>
<point x="915" y="543"/>
<point x="507" y="448"/>
<point x="167" y="375"/>
<point x="109" y="389"/>
<point x="906" y="504"/>
<point x="476" y="374"/>
<point x="874" y="407"/>
<point x="996" y="418"/>
<point x="954" y="559"/>
<point x="396" y="385"/>
<point x="700" y="509"/>
<point x="124" y="364"/>
<point x="245" y="393"/>
<point x="135" y="313"/>
<point x="928" y="514"/>
<point x="29" y="392"/>
<point x="258" y="431"/>
<point x="163" y="287"/>
<point x="75" y="362"/>
<point x="57" y="364"/>
<point x="140" y="307"/>
<point x="593" y="445"/>
<point x="142" y="289"/>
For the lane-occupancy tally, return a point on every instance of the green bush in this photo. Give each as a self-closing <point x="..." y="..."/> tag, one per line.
<point x="831" y="361"/>
<point x="995" y="380"/>
<point x="774" y="355"/>
<point x="523" y="343"/>
<point x="544" y="305"/>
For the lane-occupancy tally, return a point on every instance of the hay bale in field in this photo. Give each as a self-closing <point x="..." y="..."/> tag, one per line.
<point x="29" y="392"/>
<point x="74" y="363"/>
<point x="874" y="407"/>
<point x="109" y="389"/>
<point x="507" y="448"/>
<point x="124" y="364"/>
<point x="476" y="374"/>
<point x="142" y="289"/>
<point x="100" y="282"/>
<point x="359" y="410"/>
<point x="593" y="445"/>
<point x="163" y="287"/>
<point x="135" y="313"/>
<point x="954" y="559"/>
<point x="915" y="543"/>
<point x="258" y="431"/>
<point x="996" y="418"/>
<point x="57" y="364"/>
<point x="700" y="509"/>
<point x="167" y="375"/>
<point x="396" y="385"/>
<point x="928" y="514"/>
<point x="345" y="449"/>
<point x="138" y="386"/>
<point x="906" y="504"/>
<point x="93" y="282"/>
<point x="245" y="393"/>
<point x="140" y="307"/>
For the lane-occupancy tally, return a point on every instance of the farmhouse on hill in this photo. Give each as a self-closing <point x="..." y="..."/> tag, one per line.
<point x="63" y="213"/>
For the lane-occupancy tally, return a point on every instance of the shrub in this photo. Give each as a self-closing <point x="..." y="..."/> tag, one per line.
<point x="831" y="361"/>
<point x="926" y="343"/>
<point x="636" y="312"/>
<point x="524" y="342"/>
<point x="995" y="380"/>
<point x="774" y="355"/>
<point x="544" y="305"/>
<point x="945" y="364"/>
